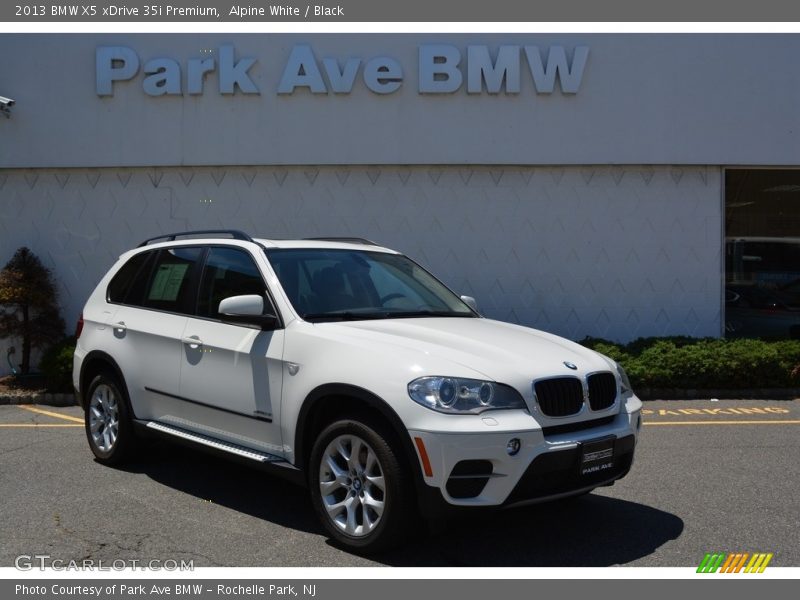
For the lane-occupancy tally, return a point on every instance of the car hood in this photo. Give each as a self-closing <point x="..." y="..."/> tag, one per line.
<point x="495" y="350"/>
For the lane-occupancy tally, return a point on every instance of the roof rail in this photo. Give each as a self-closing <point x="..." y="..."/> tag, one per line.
<point x="346" y="240"/>
<point x="170" y="237"/>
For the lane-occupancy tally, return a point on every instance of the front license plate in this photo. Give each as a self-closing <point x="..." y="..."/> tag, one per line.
<point x="597" y="456"/>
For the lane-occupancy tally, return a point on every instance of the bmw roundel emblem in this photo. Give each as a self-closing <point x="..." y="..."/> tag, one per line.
<point x="570" y="365"/>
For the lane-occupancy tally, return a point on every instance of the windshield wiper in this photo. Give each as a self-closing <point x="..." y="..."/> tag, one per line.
<point x="429" y="313"/>
<point x="344" y="316"/>
<point x="347" y="315"/>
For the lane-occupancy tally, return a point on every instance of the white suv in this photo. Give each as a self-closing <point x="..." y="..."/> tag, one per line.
<point x="350" y="369"/>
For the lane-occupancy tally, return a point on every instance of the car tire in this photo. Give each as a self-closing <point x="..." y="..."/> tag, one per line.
<point x="360" y="487"/>
<point x="108" y="424"/>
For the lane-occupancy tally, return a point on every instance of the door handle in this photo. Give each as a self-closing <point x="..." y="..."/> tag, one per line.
<point x="120" y="326"/>
<point x="193" y="342"/>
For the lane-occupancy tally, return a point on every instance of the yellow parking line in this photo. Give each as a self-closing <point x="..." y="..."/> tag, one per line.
<point x="49" y="413"/>
<point x="762" y="422"/>
<point x="40" y="425"/>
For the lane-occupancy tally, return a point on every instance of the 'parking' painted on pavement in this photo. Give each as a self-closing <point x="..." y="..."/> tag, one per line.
<point x="662" y="412"/>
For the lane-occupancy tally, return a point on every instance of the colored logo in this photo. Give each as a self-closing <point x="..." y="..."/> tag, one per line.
<point x="734" y="562"/>
<point x="570" y="365"/>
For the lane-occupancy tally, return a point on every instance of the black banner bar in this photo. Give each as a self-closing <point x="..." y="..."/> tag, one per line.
<point x="388" y="589"/>
<point x="142" y="11"/>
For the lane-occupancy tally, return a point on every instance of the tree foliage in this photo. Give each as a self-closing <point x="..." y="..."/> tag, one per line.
<point x="29" y="304"/>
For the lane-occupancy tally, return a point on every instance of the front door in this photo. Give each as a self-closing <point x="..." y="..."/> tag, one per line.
<point x="232" y="374"/>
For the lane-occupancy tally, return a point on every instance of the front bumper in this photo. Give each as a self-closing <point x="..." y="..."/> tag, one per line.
<point x="475" y="469"/>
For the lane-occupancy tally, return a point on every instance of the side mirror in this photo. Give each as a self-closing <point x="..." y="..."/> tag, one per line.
<point x="470" y="301"/>
<point x="247" y="310"/>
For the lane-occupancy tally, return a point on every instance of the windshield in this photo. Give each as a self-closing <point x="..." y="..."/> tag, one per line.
<point x="337" y="285"/>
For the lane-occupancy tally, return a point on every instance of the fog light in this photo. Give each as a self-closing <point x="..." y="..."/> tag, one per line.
<point x="513" y="446"/>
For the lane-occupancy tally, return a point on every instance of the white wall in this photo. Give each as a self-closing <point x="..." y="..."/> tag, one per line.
<point x="612" y="251"/>
<point x="616" y="252"/>
<point x="644" y="99"/>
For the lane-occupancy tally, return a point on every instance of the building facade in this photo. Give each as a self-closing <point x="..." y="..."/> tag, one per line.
<point x="581" y="184"/>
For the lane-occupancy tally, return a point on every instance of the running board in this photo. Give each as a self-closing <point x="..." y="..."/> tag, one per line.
<point x="205" y="440"/>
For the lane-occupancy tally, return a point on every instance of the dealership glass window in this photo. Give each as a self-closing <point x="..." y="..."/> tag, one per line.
<point x="762" y="253"/>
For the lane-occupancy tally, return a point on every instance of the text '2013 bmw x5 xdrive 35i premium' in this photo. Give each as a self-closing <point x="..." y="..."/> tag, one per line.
<point x="350" y="369"/>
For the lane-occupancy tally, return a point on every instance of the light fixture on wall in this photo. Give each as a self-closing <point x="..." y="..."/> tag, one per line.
<point x="5" y="106"/>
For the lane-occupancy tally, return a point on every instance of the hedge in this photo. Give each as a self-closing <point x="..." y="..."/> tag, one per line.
<point x="56" y="365"/>
<point x="655" y="362"/>
<point x="705" y="363"/>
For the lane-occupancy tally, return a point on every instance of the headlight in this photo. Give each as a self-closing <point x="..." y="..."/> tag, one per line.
<point x="463" y="396"/>
<point x="625" y="383"/>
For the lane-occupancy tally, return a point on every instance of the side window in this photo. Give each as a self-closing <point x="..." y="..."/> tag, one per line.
<point x="227" y="272"/>
<point x="128" y="285"/>
<point x="170" y="286"/>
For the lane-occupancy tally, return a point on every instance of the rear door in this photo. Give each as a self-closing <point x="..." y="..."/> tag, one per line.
<point x="147" y="327"/>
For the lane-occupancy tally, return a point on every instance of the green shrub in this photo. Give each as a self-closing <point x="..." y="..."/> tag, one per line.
<point x="705" y="363"/>
<point x="641" y="344"/>
<point x="610" y="349"/>
<point x="56" y="365"/>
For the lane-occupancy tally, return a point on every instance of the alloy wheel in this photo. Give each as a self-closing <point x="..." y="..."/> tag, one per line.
<point x="352" y="485"/>
<point x="104" y="417"/>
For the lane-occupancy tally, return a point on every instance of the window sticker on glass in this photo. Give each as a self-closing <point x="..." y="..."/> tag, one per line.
<point x="167" y="282"/>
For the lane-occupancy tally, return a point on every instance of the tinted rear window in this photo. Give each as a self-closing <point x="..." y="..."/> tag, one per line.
<point x="160" y="279"/>
<point x="127" y="286"/>
<point x="171" y="284"/>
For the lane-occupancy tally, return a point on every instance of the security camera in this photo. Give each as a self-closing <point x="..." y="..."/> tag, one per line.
<point x="5" y="105"/>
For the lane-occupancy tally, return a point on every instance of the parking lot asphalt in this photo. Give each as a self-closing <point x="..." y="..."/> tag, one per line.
<point x="708" y="476"/>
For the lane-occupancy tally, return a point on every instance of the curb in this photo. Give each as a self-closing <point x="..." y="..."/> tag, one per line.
<point x="721" y="394"/>
<point x="43" y="398"/>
